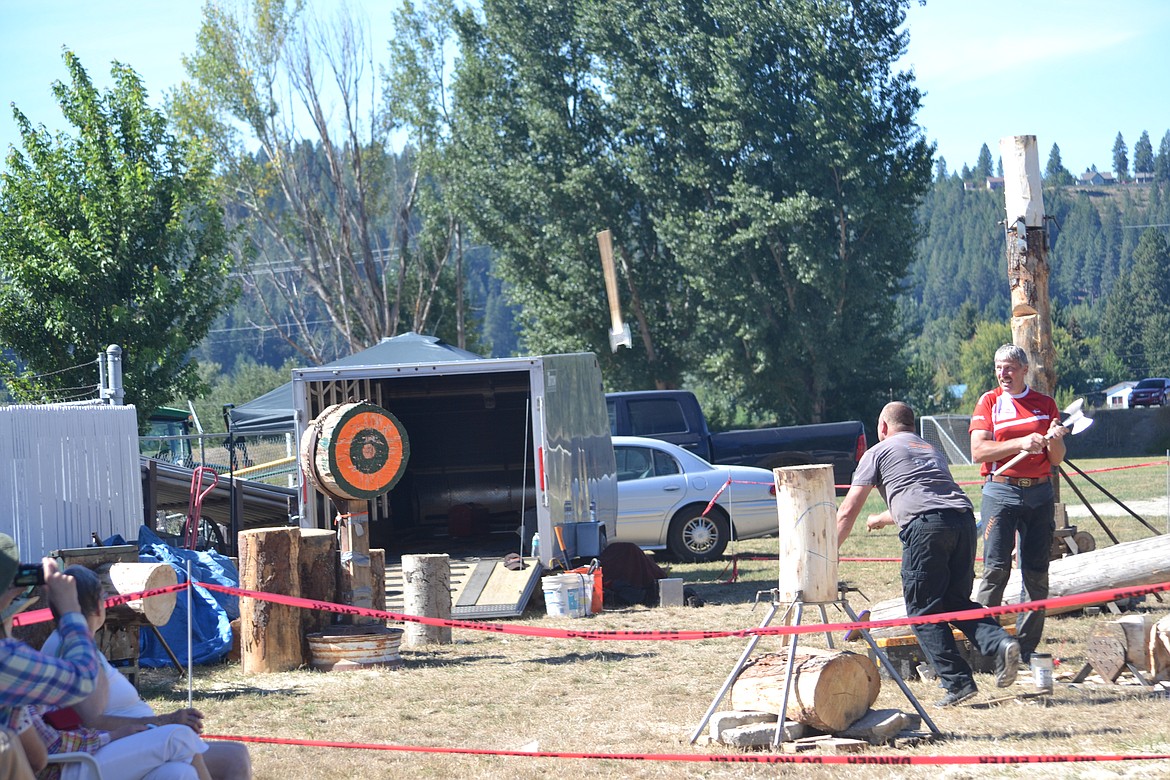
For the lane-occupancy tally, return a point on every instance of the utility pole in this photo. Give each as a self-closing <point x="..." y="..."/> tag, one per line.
<point x="1027" y="258"/>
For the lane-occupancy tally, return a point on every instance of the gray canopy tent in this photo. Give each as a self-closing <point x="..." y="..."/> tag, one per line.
<point x="273" y="411"/>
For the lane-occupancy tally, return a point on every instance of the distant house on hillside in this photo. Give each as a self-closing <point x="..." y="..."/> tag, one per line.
<point x="995" y="182"/>
<point x="1095" y="178"/>
<point x="1117" y="396"/>
<point x="1145" y="177"/>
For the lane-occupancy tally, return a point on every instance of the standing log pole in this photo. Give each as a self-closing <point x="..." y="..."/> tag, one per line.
<point x="1027" y="258"/>
<point x="353" y="529"/>
<point x="270" y="633"/>
<point x="808" y="533"/>
<point x="426" y="591"/>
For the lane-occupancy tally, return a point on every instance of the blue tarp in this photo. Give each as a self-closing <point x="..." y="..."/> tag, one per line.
<point x="211" y="632"/>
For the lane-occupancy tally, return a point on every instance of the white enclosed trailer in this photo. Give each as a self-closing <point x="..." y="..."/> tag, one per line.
<point x="498" y="448"/>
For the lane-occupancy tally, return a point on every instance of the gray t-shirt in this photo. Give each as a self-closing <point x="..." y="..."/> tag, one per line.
<point x="911" y="475"/>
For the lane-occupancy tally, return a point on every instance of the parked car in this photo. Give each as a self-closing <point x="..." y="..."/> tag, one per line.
<point x="1153" y="391"/>
<point x="663" y="491"/>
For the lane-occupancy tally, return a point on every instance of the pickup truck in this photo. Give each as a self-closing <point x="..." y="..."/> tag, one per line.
<point x="675" y="416"/>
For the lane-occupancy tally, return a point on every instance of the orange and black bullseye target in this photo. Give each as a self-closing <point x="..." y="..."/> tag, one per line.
<point x="366" y="450"/>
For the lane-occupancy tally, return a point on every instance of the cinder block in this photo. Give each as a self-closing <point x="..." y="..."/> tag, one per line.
<point x="762" y="734"/>
<point x="733" y="719"/>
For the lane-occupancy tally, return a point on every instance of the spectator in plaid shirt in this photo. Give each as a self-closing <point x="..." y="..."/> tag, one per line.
<point x="29" y="677"/>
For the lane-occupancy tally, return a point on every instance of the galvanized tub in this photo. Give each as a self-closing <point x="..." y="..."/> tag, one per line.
<point x="345" y="648"/>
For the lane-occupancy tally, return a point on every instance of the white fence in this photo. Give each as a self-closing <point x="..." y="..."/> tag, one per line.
<point x="948" y="434"/>
<point x="66" y="473"/>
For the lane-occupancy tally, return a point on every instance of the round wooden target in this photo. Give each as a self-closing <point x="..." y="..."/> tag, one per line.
<point x="361" y="450"/>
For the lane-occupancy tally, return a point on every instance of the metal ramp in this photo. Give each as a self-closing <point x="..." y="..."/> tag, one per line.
<point x="480" y="588"/>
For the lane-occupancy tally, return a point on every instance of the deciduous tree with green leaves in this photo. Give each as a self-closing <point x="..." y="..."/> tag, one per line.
<point x="110" y="234"/>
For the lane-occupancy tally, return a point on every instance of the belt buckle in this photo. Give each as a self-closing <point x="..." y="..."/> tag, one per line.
<point x="1025" y="481"/>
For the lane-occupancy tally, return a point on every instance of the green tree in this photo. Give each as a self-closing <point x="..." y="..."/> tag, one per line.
<point x="983" y="163"/>
<point x="1120" y="158"/>
<point x="1136" y="319"/>
<point x="1143" y="154"/>
<point x="1162" y="160"/>
<point x="112" y="235"/>
<point x="341" y="230"/>
<point x="758" y="165"/>
<point x="1055" y="172"/>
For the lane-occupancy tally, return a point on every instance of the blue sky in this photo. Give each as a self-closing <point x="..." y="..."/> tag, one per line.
<point x="1072" y="72"/>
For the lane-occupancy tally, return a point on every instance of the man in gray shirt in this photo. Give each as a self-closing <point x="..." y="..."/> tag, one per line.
<point x="936" y="524"/>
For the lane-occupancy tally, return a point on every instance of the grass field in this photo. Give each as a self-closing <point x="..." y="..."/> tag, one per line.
<point x="505" y="692"/>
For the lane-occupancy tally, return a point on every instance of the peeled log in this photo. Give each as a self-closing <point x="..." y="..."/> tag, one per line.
<point x="831" y="689"/>
<point x="135" y="578"/>
<point x="1143" y="562"/>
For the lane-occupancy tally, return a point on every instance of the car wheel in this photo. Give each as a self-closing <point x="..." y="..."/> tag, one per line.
<point x="697" y="538"/>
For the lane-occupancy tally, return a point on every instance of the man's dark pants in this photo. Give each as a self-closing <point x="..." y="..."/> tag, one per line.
<point x="938" y="570"/>
<point x="1007" y="510"/>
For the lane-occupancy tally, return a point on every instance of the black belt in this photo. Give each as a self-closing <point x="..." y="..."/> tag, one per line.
<point x="1019" y="481"/>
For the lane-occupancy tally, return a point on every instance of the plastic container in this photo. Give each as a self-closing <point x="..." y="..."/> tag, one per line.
<point x="567" y="595"/>
<point x="1042" y="672"/>
<point x="536" y="545"/>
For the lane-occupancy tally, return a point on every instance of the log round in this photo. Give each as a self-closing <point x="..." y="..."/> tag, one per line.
<point x="830" y="689"/>
<point x="426" y="591"/>
<point x="135" y="578"/>
<point x="270" y="633"/>
<point x="808" y="533"/>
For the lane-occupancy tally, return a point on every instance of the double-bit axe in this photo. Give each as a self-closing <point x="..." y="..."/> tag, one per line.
<point x="1073" y="417"/>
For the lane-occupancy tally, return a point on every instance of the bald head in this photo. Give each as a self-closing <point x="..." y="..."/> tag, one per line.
<point x="897" y="416"/>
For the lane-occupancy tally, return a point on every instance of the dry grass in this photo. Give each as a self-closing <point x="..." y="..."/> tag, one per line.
<point x="494" y="691"/>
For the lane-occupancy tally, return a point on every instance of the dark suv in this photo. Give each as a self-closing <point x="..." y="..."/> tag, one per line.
<point x="1150" y="392"/>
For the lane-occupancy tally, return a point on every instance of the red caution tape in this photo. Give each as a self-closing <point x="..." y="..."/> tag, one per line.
<point x="705" y="758"/>
<point x="43" y="615"/>
<point x="1080" y="599"/>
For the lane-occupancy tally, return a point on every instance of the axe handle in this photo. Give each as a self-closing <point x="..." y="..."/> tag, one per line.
<point x="605" y="245"/>
<point x="1019" y="456"/>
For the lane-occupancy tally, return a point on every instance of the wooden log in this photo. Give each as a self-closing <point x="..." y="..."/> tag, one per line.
<point x="830" y="689"/>
<point x="317" y="564"/>
<point x="426" y="590"/>
<point x="270" y="633"/>
<point x="1136" y="630"/>
<point x="135" y="578"/>
<point x="1027" y="256"/>
<point x="1141" y="562"/>
<point x="808" y="533"/>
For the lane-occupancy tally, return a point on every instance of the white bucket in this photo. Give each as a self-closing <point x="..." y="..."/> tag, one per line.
<point x="567" y="595"/>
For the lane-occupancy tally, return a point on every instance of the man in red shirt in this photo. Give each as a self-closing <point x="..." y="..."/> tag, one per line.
<point x="1010" y="419"/>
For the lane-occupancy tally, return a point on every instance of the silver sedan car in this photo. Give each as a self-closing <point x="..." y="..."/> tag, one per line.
<point x="663" y="491"/>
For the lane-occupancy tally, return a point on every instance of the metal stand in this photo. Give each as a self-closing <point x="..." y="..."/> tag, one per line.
<point x="796" y="609"/>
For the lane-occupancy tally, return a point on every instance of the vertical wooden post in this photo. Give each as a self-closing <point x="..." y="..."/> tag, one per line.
<point x="808" y="533"/>
<point x="426" y="591"/>
<point x="1027" y="258"/>
<point x="353" y="529"/>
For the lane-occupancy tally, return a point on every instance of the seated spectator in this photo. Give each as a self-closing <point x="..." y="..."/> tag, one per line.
<point x="116" y="704"/>
<point x="30" y="677"/>
<point x="126" y="753"/>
